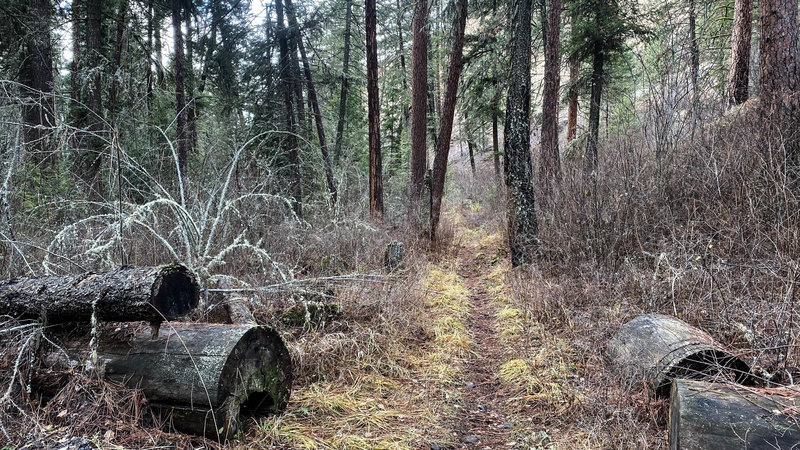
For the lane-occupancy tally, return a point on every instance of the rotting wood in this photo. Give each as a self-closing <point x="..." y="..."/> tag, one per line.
<point x="197" y="378"/>
<point x="657" y="349"/>
<point x="127" y="294"/>
<point x="717" y="416"/>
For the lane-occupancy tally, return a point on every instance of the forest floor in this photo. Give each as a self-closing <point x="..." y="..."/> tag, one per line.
<point x="475" y="369"/>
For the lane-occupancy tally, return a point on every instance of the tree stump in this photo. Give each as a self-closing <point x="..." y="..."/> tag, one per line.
<point x="393" y="257"/>
<point x="657" y="349"/>
<point x="127" y="294"/>
<point x="705" y="416"/>
<point x="198" y="378"/>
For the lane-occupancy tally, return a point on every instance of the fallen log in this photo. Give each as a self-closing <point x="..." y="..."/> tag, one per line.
<point x="656" y="349"/>
<point x="197" y="378"/>
<point x="706" y="416"/>
<point x="127" y="294"/>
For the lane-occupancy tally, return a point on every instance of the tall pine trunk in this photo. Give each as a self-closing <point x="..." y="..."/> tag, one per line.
<point x="92" y="157"/>
<point x="594" y="111"/>
<point x="448" y="113"/>
<point x="36" y="75"/>
<point x="779" y="77"/>
<point x="285" y="62"/>
<point x="520" y="203"/>
<point x="312" y="96"/>
<point x="180" y="93"/>
<point x="572" y="100"/>
<point x="549" y="159"/>
<point x="373" y="112"/>
<point x="116" y="61"/>
<point x="694" y="63"/>
<point x="738" y="77"/>
<point x="345" y="82"/>
<point x="419" y="102"/>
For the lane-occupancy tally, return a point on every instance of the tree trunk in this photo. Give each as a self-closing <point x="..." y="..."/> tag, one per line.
<point x="92" y="158"/>
<point x="572" y="106"/>
<point x="471" y="148"/>
<point x="706" y="416"/>
<point x="295" y="183"/>
<point x="496" y="143"/>
<point x="191" y="107"/>
<point x="779" y="65"/>
<point x="199" y="378"/>
<point x="520" y="209"/>
<point x="117" y="61"/>
<point x="694" y="63"/>
<point x="656" y="349"/>
<point x="594" y="112"/>
<point x="148" y="74"/>
<point x="36" y="75"/>
<point x="738" y="77"/>
<point x="419" y="101"/>
<point x="161" y="79"/>
<point x="448" y="113"/>
<point x="126" y="294"/>
<point x="345" y="83"/>
<point x="549" y="159"/>
<point x="312" y="95"/>
<point x="180" y="99"/>
<point x="76" y="109"/>
<point x="373" y="111"/>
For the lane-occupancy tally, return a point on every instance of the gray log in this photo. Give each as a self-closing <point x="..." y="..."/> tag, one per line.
<point x="705" y="416"/>
<point x="657" y="349"/>
<point x="200" y="377"/>
<point x="127" y="294"/>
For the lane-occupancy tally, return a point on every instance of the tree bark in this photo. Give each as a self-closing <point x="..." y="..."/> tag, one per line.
<point x="706" y="416"/>
<point x="199" y="378"/>
<point x="92" y="158"/>
<point x="694" y="63"/>
<point x="572" y="106"/>
<point x="656" y="349"/>
<point x="117" y="61"/>
<point x="312" y="95"/>
<point x="520" y="203"/>
<point x="496" y="142"/>
<point x="345" y="83"/>
<point x="778" y="60"/>
<point x="738" y="77"/>
<point x="36" y="75"/>
<point x="594" y="111"/>
<point x="448" y="113"/>
<point x="373" y="111"/>
<point x="549" y="158"/>
<point x="126" y="294"/>
<point x="419" y="102"/>
<point x="295" y="183"/>
<point x="191" y="106"/>
<point x="180" y="93"/>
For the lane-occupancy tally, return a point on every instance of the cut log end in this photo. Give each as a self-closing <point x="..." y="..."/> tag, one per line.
<point x="175" y="291"/>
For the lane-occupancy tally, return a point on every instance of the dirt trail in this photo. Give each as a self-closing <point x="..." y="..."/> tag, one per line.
<point x="483" y="422"/>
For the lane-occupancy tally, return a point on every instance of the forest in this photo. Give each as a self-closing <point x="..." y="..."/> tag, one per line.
<point x="399" y="224"/>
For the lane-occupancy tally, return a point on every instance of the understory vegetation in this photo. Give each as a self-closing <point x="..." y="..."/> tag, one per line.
<point x="664" y="196"/>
